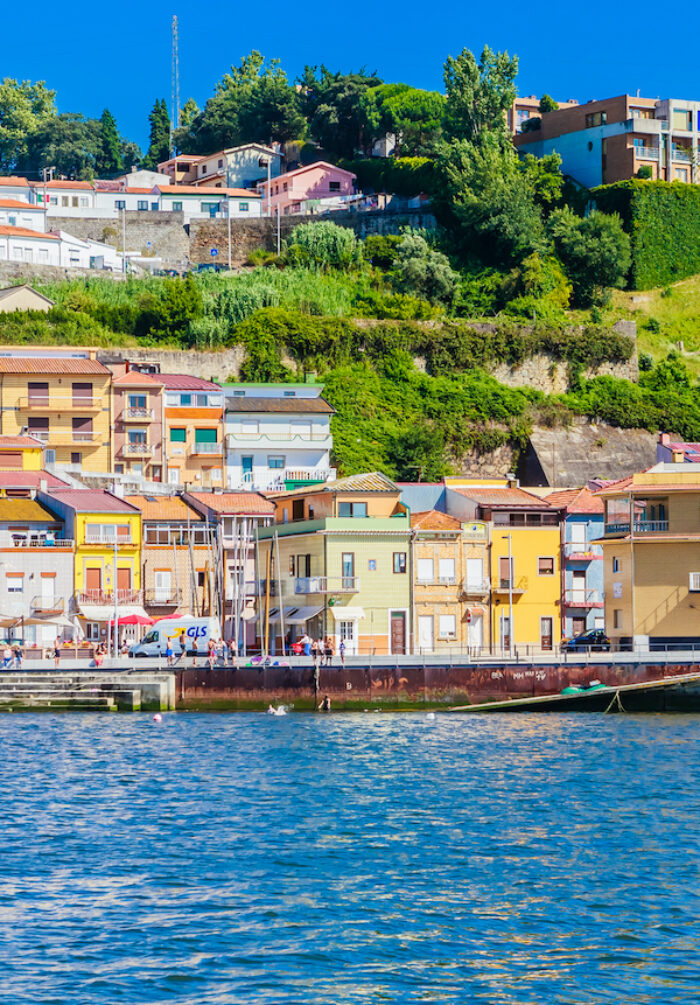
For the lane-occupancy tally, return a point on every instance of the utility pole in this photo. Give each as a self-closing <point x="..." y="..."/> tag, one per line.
<point x="228" y="216"/>
<point x="124" y="238"/>
<point x="511" y="642"/>
<point x="174" y="85"/>
<point x="279" y="242"/>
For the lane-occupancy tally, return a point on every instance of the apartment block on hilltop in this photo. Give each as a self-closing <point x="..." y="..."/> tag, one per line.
<point x="61" y="399"/>
<point x="527" y="106"/>
<point x="651" y="554"/>
<point x="601" y="142"/>
<point x="278" y="436"/>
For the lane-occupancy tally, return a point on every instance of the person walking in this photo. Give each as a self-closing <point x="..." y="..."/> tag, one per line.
<point x="195" y="649"/>
<point x="232" y="647"/>
<point x="341" y="650"/>
<point x="17" y="653"/>
<point x="56" y="653"/>
<point x="211" y="653"/>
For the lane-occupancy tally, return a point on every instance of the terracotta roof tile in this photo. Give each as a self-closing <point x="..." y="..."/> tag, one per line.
<point x="134" y="378"/>
<point x="576" y="501"/>
<point x="234" y="502"/>
<point x="61" y="184"/>
<point x="164" y="508"/>
<point x="434" y="520"/>
<point x="41" y="364"/>
<point x="206" y="190"/>
<point x="13" y="181"/>
<point x="25" y="232"/>
<point x="183" y="382"/>
<point x="18" y="204"/>
<point x="19" y="441"/>
<point x="493" y="496"/>
<point x="91" y="501"/>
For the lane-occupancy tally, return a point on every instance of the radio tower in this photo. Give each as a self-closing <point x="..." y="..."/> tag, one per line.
<point x="174" y="86"/>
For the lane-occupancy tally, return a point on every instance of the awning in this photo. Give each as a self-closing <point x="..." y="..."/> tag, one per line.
<point x="57" y="621"/>
<point x="275" y="615"/>
<point x="300" y="615"/>
<point x="348" y="613"/>
<point x="105" y="612"/>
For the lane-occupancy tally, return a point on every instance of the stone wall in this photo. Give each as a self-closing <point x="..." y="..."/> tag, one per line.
<point x="165" y="231"/>
<point x="27" y="271"/>
<point x="208" y="365"/>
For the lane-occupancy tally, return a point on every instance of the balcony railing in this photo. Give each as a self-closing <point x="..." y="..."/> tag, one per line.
<point x="141" y="449"/>
<point x="639" y="527"/>
<point x="582" y="551"/>
<point x="163" y="598"/>
<point x="206" y="448"/>
<point x="136" y="415"/>
<point x="241" y="436"/>
<point x="646" y="153"/>
<point x="107" y="540"/>
<point x="47" y="605"/>
<point x="476" y="587"/>
<point x="681" y="155"/>
<point x="583" y="598"/>
<point x="60" y="403"/>
<point x="327" y="584"/>
<point x="107" y="597"/>
<point x="19" y="541"/>
<point x="519" y="585"/>
<point x="65" y="437"/>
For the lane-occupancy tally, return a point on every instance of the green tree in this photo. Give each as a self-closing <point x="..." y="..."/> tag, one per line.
<point x="188" y="113"/>
<point x="547" y="104"/>
<point x="413" y="115"/>
<point x="418" y="454"/>
<point x="594" y="250"/>
<point x="332" y="103"/>
<point x="23" y="107"/>
<point x="159" y="139"/>
<point x="424" y="272"/>
<point x="130" y="153"/>
<point x="109" y="157"/>
<point x="69" y="142"/>
<point x="479" y="93"/>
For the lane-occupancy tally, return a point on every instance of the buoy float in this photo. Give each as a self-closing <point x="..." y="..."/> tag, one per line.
<point x="157" y="717"/>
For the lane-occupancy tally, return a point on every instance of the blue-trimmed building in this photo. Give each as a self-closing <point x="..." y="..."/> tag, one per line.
<point x="582" y="597"/>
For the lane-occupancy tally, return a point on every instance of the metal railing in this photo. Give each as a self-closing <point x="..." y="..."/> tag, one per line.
<point x="639" y="527"/>
<point x="519" y="585"/>
<point x="107" y="597"/>
<point x="327" y="584"/>
<point x="162" y="598"/>
<point x="59" y="403"/>
<point x="45" y="605"/>
<point x="236" y="438"/>
<point x="136" y="414"/>
<point x="583" y="598"/>
<point x="107" y="540"/>
<point x="582" y="551"/>
<point x="681" y="155"/>
<point x="646" y="153"/>
<point x="206" y="448"/>
<point x="142" y="449"/>
<point x="41" y="542"/>
<point x="476" y="587"/>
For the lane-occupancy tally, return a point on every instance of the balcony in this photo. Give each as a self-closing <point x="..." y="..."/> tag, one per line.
<point x="107" y="597"/>
<point x="137" y="449"/>
<point x="503" y="585"/>
<point x="163" y="598"/>
<point x="107" y="541"/>
<point x="476" y="587"/>
<point x="684" y="156"/>
<point x="582" y="598"/>
<point x="581" y="551"/>
<point x="206" y="449"/>
<point x="47" y="605"/>
<point x="244" y="438"/>
<point x="646" y="153"/>
<point x="59" y="403"/>
<point x="19" y="541"/>
<point x="136" y="415"/>
<point x="66" y="438"/>
<point x="327" y="584"/>
<point x="639" y="527"/>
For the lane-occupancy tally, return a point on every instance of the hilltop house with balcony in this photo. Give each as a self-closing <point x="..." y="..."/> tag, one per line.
<point x="343" y="570"/>
<point x="451" y="587"/>
<point x="61" y="399"/>
<point x="235" y="167"/>
<point x="176" y="555"/>
<point x="36" y="572"/>
<point x="582" y="600"/>
<point x="278" y="436"/>
<point x="651" y="552"/>
<point x="137" y="428"/>
<point x="601" y="142"/>
<point x="298" y="191"/>
<point x="233" y="522"/>
<point x="193" y="431"/>
<point x="107" y="535"/>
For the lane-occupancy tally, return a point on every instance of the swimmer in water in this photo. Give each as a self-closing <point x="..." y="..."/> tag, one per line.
<point x="325" y="705"/>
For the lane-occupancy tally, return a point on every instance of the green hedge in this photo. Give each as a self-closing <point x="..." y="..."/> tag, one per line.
<point x="663" y="221"/>
<point x="407" y="176"/>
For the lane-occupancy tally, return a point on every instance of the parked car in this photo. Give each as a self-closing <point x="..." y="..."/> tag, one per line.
<point x="595" y="640"/>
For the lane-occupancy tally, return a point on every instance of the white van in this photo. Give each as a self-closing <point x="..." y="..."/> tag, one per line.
<point x="171" y="629"/>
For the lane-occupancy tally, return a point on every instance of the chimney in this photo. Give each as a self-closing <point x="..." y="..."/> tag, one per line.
<point x="513" y="482"/>
<point x="43" y="485"/>
<point x="118" y="489"/>
<point x="664" y="439"/>
<point x="677" y="457"/>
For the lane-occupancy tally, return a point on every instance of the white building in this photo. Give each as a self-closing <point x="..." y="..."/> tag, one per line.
<point x="137" y="198"/>
<point x="13" y="187"/>
<point x="64" y="196"/>
<point x="216" y="203"/>
<point x="18" y="244"/>
<point x="235" y="167"/>
<point x="76" y="252"/>
<point x="277" y="436"/>
<point x="16" y="213"/>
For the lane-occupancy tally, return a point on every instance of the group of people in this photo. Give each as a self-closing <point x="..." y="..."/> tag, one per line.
<point x="321" y="651"/>
<point x="217" y="651"/>
<point x="12" y="656"/>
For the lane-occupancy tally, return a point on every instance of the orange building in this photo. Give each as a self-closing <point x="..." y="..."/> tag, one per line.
<point x="193" y="431"/>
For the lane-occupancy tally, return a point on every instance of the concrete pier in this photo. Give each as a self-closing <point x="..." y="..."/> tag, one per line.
<point x="96" y="690"/>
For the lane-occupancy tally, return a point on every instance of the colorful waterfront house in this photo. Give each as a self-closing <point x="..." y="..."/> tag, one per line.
<point x="297" y="191"/>
<point x="107" y="535"/>
<point x="582" y="601"/>
<point x="337" y="561"/>
<point x="176" y="555"/>
<point x="36" y="572"/>
<point x="193" y="431"/>
<point x="62" y="399"/>
<point x="278" y="436"/>
<point x="21" y="453"/>
<point x="670" y="450"/>
<point x="451" y="587"/>
<point x="651" y="556"/>
<point x="524" y="559"/>
<point x="233" y="522"/>
<point x="137" y="435"/>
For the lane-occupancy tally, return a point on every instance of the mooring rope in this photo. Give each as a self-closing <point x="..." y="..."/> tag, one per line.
<point x="616" y="700"/>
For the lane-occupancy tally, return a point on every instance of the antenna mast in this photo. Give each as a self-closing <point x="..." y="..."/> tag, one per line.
<point x="174" y="85"/>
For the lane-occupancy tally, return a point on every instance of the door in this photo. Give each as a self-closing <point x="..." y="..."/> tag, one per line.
<point x="578" y="533"/>
<point x="475" y="632"/>
<point x="426" y="633"/>
<point x="578" y="625"/>
<point x="93" y="583"/>
<point x="47" y="592"/>
<point x="124" y="584"/>
<point x="162" y="586"/>
<point x="398" y="632"/>
<point x="578" y="586"/>
<point x="475" y="573"/>
<point x="504" y="631"/>
<point x="347" y="631"/>
<point x="247" y="468"/>
<point x="546" y="633"/>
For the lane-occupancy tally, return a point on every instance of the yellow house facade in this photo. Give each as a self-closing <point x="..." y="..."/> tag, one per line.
<point x="337" y="561"/>
<point x="61" y="400"/>
<point x="651" y="560"/>
<point x="21" y="453"/>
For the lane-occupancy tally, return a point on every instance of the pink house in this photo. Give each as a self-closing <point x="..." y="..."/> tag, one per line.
<point x="290" y="192"/>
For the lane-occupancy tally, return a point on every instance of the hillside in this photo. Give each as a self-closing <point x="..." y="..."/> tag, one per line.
<point x="666" y="318"/>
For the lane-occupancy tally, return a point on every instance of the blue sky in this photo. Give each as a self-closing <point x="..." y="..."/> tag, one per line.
<point x="98" y="55"/>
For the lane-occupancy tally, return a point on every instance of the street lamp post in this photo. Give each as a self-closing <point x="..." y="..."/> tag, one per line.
<point x="508" y="538"/>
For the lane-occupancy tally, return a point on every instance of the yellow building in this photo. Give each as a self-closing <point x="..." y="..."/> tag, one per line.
<point x="21" y="453"/>
<point x="62" y="400"/>
<point x="451" y="584"/>
<point x="343" y="568"/>
<point x="523" y="559"/>
<point x="107" y="535"/>
<point x="651" y="554"/>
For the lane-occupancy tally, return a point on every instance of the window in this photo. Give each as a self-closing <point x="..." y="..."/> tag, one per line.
<point x="154" y="206"/>
<point x="201" y="578"/>
<point x="84" y="201"/>
<point x="694" y="582"/>
<point x="284" y="186"/>
<point x="137" y="436"/>
<point x="334" y="186"/>
<point x="205" y="436"/>
<point x="220" y="163"/>
<point x="545" y="566"/>
<point x="352" y="509"/>
<point x="292" y="566"/>
<point x="15" y="582"/>
<point x="682" y="120"/>
<point x="142" y="204"/>
<point x="177" y="207"/>
<point x="596" y="119"/>
<point x="201" y="400"/>
<point x="173" y="476"/>
<point x="616" y="565"/>
<point x="276" y="461"/>
<point x="446" y="570"/>
<point x="348" y="562"/>
<point x="425" y="570"/>
<point x="120" y="204"/>
<point x="210" y="207"/>
<point x="92" y="631"/>
<point x="97" y="533"/>
<point x="12" y="220"/>
<point x="178" y="435"/>
<point x="76" y="458"/>
<point x="243" y="207"/>
<point x="185" y="399"/>
<point x="297" y="509"/>
<point x="617" y="618"/>
<point x="289" y="394"/>
<point x="64" y="200"/>
<point x="399" y="561"/>
<point x="447" y="626"/>
<point x="137" y="401"/>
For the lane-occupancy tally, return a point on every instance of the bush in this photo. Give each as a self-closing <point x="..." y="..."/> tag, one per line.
<point x="405" y="176"/>
<point x="423" y="272"/>
<point x="380" y="249"/>
<point x="324" y="245"/>
<point x="594" y="251"/>
<point x="663" y="221"/>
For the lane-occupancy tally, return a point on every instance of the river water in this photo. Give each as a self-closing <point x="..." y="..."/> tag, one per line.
<point x="364" y="858"/>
